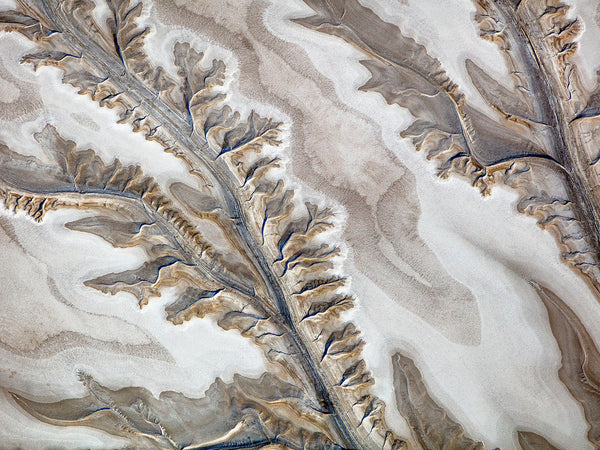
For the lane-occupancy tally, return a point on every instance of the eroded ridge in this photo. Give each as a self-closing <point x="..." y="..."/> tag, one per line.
<point x="580" y="368"/>
<point x="431" y="425"/>
<point x="541" y="138"/>
<point x="278" y="281"/>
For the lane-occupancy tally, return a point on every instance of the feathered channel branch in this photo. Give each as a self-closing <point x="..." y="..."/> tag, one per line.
<point x="275" y="274"/>
<point x="542" y="139"/>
